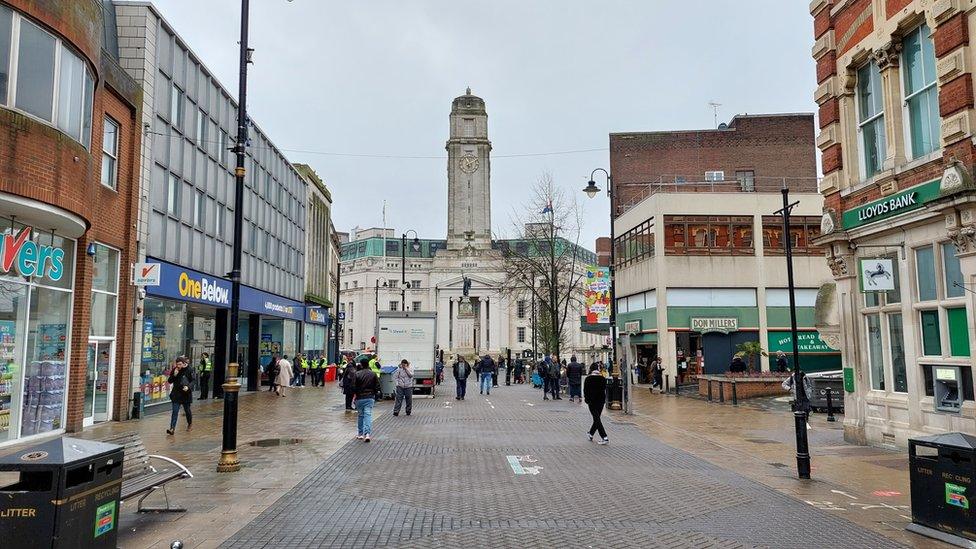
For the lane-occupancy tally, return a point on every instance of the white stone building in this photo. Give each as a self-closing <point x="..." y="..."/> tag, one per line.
<point x="488" y="320"/>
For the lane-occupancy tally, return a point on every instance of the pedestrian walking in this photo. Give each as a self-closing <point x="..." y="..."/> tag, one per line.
<point x="284" y="375"/>
<point x="349" y="382"/>
<point x="555" y="373"/>
<point x="206" y="369"/>
<point x="271" y="370"/>
<point x="595" y="393"/>
<point x="543" y="370"/>
<point x="486" y="367"/>
<point x="574" y="375"/>
<point x="782" y="364"/>
<point x="366" y="386"/>
<point x="181" y="392"/>
<point x="403" y="378"/>
<point x="519" y="370"/>
<point x="496" y="365"/>
<point x="657" y="374"/>
<point x="461" y="372"/>
<point x="439" y="371"/>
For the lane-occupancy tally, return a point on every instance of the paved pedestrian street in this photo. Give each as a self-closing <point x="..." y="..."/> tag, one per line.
<point x="509" y="470"/>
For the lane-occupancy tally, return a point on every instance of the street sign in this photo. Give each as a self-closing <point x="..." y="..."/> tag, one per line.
<point x="341" y="315"/>
<point x="146" y="274"/>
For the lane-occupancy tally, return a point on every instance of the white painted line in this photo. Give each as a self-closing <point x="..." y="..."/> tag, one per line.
<point x="513" y="462"/>
<point x="845" y="494"/>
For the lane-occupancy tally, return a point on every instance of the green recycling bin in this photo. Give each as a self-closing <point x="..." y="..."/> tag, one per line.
<point x="66" y="495"/>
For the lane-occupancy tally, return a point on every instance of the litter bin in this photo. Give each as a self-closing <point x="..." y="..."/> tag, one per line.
<point x="387" y="384"/>
<point x="827" y="382"/>
<point x="615" y="393"/>
<point x="942" y="468"/>
<point x="330" y="374"/>
<point x="66" y="495"/>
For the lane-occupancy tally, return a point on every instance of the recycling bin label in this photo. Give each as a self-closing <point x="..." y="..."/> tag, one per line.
<point x="104" y="518"/>
<point x="956" y="495"/>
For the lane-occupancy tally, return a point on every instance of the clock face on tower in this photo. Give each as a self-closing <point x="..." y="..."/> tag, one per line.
<point x="469" y="163"/>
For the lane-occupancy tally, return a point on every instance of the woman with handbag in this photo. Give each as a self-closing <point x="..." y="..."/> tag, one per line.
<point x="181" y="392"/>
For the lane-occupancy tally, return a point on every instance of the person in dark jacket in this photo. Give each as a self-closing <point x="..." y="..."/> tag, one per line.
<point x="486" y="369"/>
<point x="519" y="371"/>
<point x="574" y="375"/>
<point x="461" y="372"/>
<point x="738" y="365"/>
<point x="366" y="387"/>
<point x="782" y="365"/>
<point x="272" y="371"/>
<point x="657" y="374"/>
<point x="181" y="392"/>
<point x="349" y="383"/>
<point x="595" y="394"/>
<point x="494" y="374"/>
<point x="555" y="372"/>
<point x="543" y="370"/>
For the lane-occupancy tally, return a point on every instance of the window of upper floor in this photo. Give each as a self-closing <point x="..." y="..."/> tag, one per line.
<point x="42" y="76"/>
<point x="870" y="120"/>
<point x="803" y="229"/>
<point x="708" y="235"/>
<point x="920" y="93"/>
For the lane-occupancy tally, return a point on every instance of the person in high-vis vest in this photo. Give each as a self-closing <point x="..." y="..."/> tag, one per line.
<point x="320" y="372"/>
<point x="374" y="365"/>
<point x="302" y="367"/>
<point x="206" y="370"/>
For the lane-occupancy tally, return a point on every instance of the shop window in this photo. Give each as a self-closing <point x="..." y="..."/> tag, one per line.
<point x="921" y="92"/>
<point x="925" y="273"/>
<point x="896" y="344"/>
<point x="110" y="153"/>
<point x="958" y="331"/>
<point x="707" y="235"/>
<point x="13" y="330"/>
<point x="520" y="334"/>
<point x="45" y="380"/>
<point x="870" y="120"/>
<point x="875" y="350"/>
<point x="931" y="335"/>
<point x="803" y="230"/>
<point x="952" y="271"/>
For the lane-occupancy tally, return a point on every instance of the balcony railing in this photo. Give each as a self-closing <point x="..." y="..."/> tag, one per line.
<point x="632" y="193"/>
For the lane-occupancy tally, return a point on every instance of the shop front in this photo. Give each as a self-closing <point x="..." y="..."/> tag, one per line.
<point x="815" y="354"/>
<point x="315" y="337"/>
<point x="273" y="328"/>
<point x="181" y="317"/>
<point x="37" y="272"/>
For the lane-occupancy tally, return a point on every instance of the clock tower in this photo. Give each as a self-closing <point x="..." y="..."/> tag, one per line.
<point x="468" y="176"/>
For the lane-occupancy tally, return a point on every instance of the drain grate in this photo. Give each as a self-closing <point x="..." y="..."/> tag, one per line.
<point x="269" y="442"/>
<point x="779" y="465"/>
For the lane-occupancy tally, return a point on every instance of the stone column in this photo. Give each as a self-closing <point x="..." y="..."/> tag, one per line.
<point x="442" y="320"/>
<point x="481" y="344"/>
<point x="887" y="58"/>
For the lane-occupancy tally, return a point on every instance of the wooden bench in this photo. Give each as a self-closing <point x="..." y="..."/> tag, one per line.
<point x="141" y="478"/>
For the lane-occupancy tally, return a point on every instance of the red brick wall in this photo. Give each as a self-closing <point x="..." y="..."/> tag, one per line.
<point x="826" y="66"/>
<point x="771" y="146"/>
<point x="832" y="159"/>
<point x="956" y="95"/>
<point x="951" y="34"/>
<point x="821" y="23"/>
<point x="844" y="22"/>
<point x="892" y="7"/>
<point x="829" y="112"/>
<point x="41" y="163"/>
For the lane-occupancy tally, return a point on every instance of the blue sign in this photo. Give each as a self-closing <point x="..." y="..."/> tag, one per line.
<point x="341" y="315"/>
<point x="256" y="301"/>
<point x="184" y="284"/>
<point x="316" y="315"/>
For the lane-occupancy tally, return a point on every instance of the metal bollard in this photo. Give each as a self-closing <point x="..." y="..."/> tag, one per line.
<point x="667" y="384"/>
<point x="735" y="397"/>
<point x="677" y="388"/>
<point x="830" y="406"/>
<point x="721" y="392"/>
<point x="709" y="390"/>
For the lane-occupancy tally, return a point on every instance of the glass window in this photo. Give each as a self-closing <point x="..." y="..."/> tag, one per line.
<point x="35" y="71"/>
<point x="45" y="376"/>
<point x="931" y="336"/>
<point x="921" y="93"/>
<point x="198" y="202"/>
<point x="173" y="195"/>
<point x="875" y="355"/>
<point x="103" y="312"/>
<point x="201" y="128"/>
<point x="746" y="179"/>
<point x="958" y="331"/>
<point x="219" y="220"/>
<point x="952" y="270"/>
<point x="176" y="107"/>
<point x="417" y="306"/>
<point x="6" y="26"/>
<point x="896" y="342"/>
<point x="105" y="270"/>
<point x="872" y="299"/>
<point x="162" y="342"/>
<point x="71" y="93"/>
<point x="13" y="329"/>
<point x="925" y="273"/>
<point x="110" y="153"/>
<point x="894" y="296"/>
<point x="394" y="305"/>
<point x="871" y="118"/>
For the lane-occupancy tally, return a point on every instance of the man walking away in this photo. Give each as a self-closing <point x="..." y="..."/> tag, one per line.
<point x="272" y="372"/>
<point x="519" y="370"/>
<point x="555" y="372"/>
<point x="574" y="375"/>
<point x="349" y="382"/>
<point x="485" y="369"/>
<point x="366" y="387"/>
<point x="657" y="371"/>
<point x="206" y="367"/>
<point x="403" y="377"/>
<point x="595" y="393"/>
<point x="494" y="371"/>
<point x="543" y="370"/>
<point x="461" y="372"/>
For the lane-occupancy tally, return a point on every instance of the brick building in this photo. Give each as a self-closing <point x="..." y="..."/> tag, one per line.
<point x="68" y="162"/>
<point x="699" y="266"/>
<point x="895" y="91"/>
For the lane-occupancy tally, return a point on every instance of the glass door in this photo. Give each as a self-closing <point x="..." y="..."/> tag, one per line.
<point x="98" y="381"/>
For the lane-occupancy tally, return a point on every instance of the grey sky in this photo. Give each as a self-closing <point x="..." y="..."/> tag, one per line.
<point x="378" y="77"/>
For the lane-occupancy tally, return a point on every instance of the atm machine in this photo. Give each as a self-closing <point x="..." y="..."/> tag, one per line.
<point x="948" y="388"/>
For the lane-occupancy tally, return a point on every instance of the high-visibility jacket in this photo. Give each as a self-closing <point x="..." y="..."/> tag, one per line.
<point x="304" y="364"/>
<point x="314" y="364"/>
<point x="374" y="365"/>
<point x="206" y="365"/>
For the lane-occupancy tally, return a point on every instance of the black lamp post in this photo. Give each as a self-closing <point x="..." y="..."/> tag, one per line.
<point x="376" y="294"/>
<point x="415" y="246"/>
<point x="801" y="401"/>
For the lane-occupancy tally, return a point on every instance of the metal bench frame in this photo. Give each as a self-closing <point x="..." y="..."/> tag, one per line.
<point x="132" y="441"/>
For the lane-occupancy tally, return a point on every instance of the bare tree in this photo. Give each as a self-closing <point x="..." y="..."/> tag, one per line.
<point x="544" y="261"/>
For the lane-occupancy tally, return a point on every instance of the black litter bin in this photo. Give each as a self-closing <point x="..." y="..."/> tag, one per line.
<point x="942" y="470"/>
<point x="67" y="495"/>
<point x="615" y="393"/>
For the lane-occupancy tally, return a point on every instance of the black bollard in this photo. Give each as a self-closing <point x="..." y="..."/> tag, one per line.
<point x="735" y="397"/>
<point x="709" y="390"/>
<point x="721" y="392"/>
<point x="667" y="384"/>
<point x="830" y="406"/>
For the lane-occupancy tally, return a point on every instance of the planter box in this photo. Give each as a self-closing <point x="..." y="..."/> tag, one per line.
<point x="745" y="387"/>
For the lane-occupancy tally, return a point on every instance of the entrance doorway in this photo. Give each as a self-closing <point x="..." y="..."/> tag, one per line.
<point x="99" y="381"/>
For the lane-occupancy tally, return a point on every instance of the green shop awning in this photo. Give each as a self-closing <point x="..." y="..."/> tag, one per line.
<point x="641" y="339"/>
<point x="810" y="342"/>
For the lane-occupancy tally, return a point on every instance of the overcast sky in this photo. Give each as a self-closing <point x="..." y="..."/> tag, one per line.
<point x="377" y="77"/>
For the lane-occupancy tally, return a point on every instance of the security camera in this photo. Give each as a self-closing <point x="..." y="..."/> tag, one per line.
<point x="142" y="294"/>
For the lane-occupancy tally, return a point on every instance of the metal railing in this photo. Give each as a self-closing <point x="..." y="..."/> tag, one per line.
<point x="630" y="194"/>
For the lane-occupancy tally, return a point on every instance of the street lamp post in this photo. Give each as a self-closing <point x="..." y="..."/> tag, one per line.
<point x="336" y="321"/>
<point x="228" y="454"/>
<point x="376" y="294"/>
<point x="801" y="400"/>
<point x="592" y="190"/>
<point x="415" y="245"/>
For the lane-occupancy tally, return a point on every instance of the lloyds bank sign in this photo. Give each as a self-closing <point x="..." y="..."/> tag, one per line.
<point x="889" y="206"/>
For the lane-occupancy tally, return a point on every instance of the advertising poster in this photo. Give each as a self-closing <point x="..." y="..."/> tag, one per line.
<point x="597" y="294"/>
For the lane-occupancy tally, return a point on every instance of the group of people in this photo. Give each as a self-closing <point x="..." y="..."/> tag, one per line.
<point x="361" y="385"/>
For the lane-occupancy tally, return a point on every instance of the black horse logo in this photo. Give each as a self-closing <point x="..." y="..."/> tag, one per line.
<point x="878" y="272"/>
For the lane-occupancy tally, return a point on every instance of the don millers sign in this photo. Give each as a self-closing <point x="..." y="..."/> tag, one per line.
<point x="889" y="206"/>
<point x="707" y="325"/>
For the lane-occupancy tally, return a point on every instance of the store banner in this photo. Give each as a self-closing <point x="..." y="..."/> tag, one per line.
<point x="256" y="301"/>
<point x="316" y="315"/>
<point x="176" y="282"/>
<point x="910" y="199"/>
<point x="597" y="294"/>
<point x="809" y="342"/>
